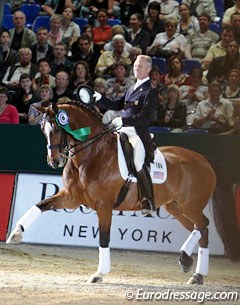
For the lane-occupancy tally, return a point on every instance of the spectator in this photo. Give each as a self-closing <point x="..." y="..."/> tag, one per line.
<point x="138" y="37"/>
<point x="12" y="76"/>
<point x="155" y="76"/>
<point x="218" y="49"/>
<point x="236" y="125"/>
<point x="80" y="75"/>
<point x="118" y="29"/>
<point x="235" y="23"/>
<point x="133" y="54"/>
<point x="117" y="85"/>
<point x="215" y="113"/>
<point x="8" y="56"/>
<point x="231" y="90"/>
<point x="8" y="113"/>
<point x="61" y="89"/>
<point x="24" y="97"/>
<point x="169" y="9"/>
<point x="168" y="43"/>
<point x="55" y="34"/>
<point x="21" y="36"/>
<point x="129" y="7"/>
<point x="197" y="7"/>
<point x="70" y="29"/>
<point x="199" y="43"/>
<point x="82" y="51"/>
<point x="188" y="24"/>
<point x="192" y="94"/>
<point x="152" y="23"/>
<point x="52" y="7"/>
<point x="60" y="61"/>
<point x="100" y="85"/>
<point x="220" y="66"/>
<point x="175" y="74"/>
<point x="172" y="112"/>
<point x="43" y="77"/>
<point x="228" y="13"/>
<point x="96" y="5"/>
<point x="108" y="59"/>
<point x="45" y="96"/>
<point x="42" y="48"/>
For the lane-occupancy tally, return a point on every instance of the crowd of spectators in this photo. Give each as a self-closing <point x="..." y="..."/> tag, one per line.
<point x="39" y="67"/>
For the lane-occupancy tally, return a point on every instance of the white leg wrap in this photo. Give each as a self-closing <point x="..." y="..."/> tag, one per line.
<point x="202" y="261"/>
<point x="191" y="242"/>
<point x="29" y="217"/>
<point x="104" y="265"/>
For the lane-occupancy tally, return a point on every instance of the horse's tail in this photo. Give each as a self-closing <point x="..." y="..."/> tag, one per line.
<point x="224" y="212"/>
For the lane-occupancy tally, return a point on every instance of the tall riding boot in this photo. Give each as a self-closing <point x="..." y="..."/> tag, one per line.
<point x="146" y="189"/>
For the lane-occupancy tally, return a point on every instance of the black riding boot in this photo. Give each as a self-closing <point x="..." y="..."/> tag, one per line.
<point x="146" y="189"/>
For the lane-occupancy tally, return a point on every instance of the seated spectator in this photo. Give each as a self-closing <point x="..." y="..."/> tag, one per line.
<point x="175" y="74"/>
<point x="152" y="23"/>
<point x="133" y="54"/>
<point x="52" y="7"/>
<point x="171" y="112"/>
<point x="169" y="9"/>
<point x="192" y="94"/>
<point x="115" y="30"/>
<point x="8" y="56"/>
<point x="236" y="125"/>
<point x="235" y="24"/>
<point x="60" y="60"/>
<point x="95" y="5"/>
<point x="24" y="97"/>
<point x="231" y="91"/>
<point x="21" y="36"/>
<point x="45" y="96"/>
<point x="188" y="24"/>
<point x="102" y="32"/>
<point x="155" y="76"/>
<point x="42" y="48"/>
<point x="215" y="113"/>
<point x="198" y="43"/>
<point x="88" y="31"/>
<point x="43" y="77"/>
<point x="220" y="66"/>
<point x="61" y="89"/>
<point x="218" y="49"/>
<point x="81" y="50"/>
<point x="100" y="85"/>
<point x="138" y="37"/>
<point x="8" y="113"/>
<point x="80" y="75"/>
<point x="70" y="29"/>
<point x="129" y="7"/>
<point x="55" y="34"/>
<point x="197" y="7"/>
<point x="117" y="85"/>
<point x="108" y="59"/>
<point x="229" y="12"/>
<point x="11" y="77"/>
<point x="168" y="43"/>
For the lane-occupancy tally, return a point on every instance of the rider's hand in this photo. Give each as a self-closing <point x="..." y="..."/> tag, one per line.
<point x="117" y="122"/>
<point x="97" y="96"/>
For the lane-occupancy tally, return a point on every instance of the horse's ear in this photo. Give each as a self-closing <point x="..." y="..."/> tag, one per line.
<point x="55" y="108"/>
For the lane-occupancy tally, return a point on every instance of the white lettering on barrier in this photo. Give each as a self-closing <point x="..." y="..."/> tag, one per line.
<point x="130" y="230"/>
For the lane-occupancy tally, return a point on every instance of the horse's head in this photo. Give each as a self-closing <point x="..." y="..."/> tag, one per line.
<point x="55" y="136"/>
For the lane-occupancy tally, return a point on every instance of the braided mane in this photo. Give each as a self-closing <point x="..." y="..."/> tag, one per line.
<point x="67" y="101"/>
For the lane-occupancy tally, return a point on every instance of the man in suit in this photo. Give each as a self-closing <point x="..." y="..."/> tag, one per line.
<point x="137" y="108"/>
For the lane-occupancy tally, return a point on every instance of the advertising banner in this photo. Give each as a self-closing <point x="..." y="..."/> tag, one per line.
<point x="130" y="230"/>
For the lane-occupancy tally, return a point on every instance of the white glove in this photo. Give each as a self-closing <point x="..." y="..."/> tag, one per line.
<point x="97" y="96"/>
<point x="117" y="122"/>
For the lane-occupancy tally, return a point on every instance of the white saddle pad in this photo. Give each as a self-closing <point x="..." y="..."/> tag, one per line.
<point x="158" y="168"/>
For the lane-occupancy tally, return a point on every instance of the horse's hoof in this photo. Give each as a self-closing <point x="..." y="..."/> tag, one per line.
<point x="196" y="278"/>
<point x="185" y="262"/>
<point x="15" y="237"/>
<point x="95" y="278"/>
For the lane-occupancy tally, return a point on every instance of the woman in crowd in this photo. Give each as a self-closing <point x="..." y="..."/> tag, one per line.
<point x="187" y="24"/>
<point x="175" y="75"/>
<point x="232" y="90"/>
<point x="55" y="34"/>
<point x="172" y="112"/>
<point x="8" y="113"/>
<point x="80" y="75"/>
<point x="102" y="32"/>
<point x="45" y="96"/>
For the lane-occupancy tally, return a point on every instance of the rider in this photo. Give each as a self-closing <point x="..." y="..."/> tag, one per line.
<point x="137" y="108"/>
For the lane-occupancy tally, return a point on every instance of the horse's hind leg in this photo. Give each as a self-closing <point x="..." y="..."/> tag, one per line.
<point x="54" y="202"/>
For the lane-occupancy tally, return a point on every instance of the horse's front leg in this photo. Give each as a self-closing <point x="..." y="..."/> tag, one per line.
<point x="104" y="265"/>
<point x="52" y="203"/>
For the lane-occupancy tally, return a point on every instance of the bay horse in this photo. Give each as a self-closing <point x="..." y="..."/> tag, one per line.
<point x="91" y="177"/>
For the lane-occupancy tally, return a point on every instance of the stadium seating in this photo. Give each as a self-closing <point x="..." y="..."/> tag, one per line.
<point x="31" y="11"/>
<point x="189" y="64"/>
<point x="161" y="63"/>
<point x="7" y="22"/>
<point x="41" y="21"/>
<point x="113" y="22"/>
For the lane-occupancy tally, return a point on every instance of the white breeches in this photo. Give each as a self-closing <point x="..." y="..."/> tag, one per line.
<point x="138" y="148"/>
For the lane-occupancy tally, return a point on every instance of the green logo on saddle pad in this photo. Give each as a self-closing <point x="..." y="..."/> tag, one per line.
<point x="62" y="120"/>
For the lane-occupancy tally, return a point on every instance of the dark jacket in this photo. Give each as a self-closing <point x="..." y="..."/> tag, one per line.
<point x="141" y="40"/>
<point x="138" y="107"/>
<point x="10" y="59"/>
<point x="49" y="53"/>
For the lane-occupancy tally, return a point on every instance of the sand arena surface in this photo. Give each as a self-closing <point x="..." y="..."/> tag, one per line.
<point x="50" y="275"/>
